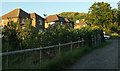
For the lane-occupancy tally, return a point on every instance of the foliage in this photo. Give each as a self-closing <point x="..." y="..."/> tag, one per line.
<point x="10" y="36"/>
<point x="68" y="58"/>
<point x="102" y="14"/>
<point x="17" y="36"/>
<point x="29" y="37"/>
<point x="56" y="34"/>
<point x="73" y="16"/>
<point x="118" y="20"/>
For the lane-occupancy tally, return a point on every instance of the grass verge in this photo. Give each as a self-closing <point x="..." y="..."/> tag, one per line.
<point x="114" y="37"/>
<point x="68" y="58"/>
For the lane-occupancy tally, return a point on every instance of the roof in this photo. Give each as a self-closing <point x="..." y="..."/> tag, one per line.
<point x="67" y="20"/>
<point x="53" y="18"/>
<point x="82" y="23"/>
<point x="16" y="13"/>
<point x="33" y="15"/>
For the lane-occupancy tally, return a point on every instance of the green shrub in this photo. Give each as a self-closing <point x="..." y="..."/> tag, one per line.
<point x="29" y="37"/>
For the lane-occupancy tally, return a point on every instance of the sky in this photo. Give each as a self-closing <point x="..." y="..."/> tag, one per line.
<point x="49" y="8"/>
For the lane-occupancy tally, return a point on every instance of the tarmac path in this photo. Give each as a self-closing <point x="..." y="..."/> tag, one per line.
<point x="102" y="58"/>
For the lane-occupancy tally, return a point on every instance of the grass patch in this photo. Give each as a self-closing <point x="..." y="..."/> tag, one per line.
<point x="25" y="61"/>
<point x="68" y="58"/>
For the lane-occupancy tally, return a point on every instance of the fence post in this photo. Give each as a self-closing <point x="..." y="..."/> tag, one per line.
<point x="92" y="41"/>
<point x="40" y="56"/>
<point x="100" y="39"/>
<point x="7" y="59"/>
<point x="82" y="42"/>
<point x="71" y="46"/>
<point x="95" y="41"/>
<point x="59" y="49"/>
<point x="78" y="44"/>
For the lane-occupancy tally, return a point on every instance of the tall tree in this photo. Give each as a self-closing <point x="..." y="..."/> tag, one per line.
<point x="119" y="13"/>
<point x="118" y="20"/>
<point x="101" y="14"/>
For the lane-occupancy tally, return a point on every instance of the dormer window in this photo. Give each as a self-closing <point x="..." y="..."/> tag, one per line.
<point x="40" y="22"/>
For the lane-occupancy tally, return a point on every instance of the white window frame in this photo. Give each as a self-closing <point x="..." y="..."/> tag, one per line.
<point x="77" y="21"/>
<point x="2" y="21"/>
<point x="52" y="23"/>
<point x="83" y="25"/>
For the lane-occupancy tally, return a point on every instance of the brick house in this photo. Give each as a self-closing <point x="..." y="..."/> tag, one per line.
<point x="38" y="21"/>
<point x="56" y="19"/>
<point x="81" y="24"/>
<point x="70" y="23"/>
<point x="19" y="14"/>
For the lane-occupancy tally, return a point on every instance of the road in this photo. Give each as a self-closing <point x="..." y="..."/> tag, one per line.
<point x="102" y="58"/>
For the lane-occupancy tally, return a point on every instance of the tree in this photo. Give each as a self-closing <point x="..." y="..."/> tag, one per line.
<point x="118" y="13"/>
<point x="27" y="34"/>
<point x="118" y="20"/>
<point x="119" y="5"/>
<point x="9" y="33"/>
<point x="21" y="36"/>
<point x="101" y="14"/>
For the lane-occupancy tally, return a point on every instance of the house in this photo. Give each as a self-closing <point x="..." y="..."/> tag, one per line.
<point x="81" y="24"/>
<point x="56" y="19"/>
<point x="70" y="23"/>
<point x="19" y="14"/>
<point x="53" y="19"/>
<point x="37" y="21"/>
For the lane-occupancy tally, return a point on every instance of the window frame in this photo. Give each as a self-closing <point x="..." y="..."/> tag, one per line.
<point x="83" y="25"/>
<point x="40" y="30"/>
<point x="40" y="22"/>
<point x="23" y="21"/>
<point x="2" y="21"/>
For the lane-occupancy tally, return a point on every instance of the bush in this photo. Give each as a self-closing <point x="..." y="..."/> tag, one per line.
<point x="55" y="34"/>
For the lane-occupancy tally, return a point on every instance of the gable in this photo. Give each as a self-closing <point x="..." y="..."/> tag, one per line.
<point x="16" y="13"/>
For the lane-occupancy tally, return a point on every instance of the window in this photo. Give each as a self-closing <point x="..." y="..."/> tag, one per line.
<point x="2" y="22"/>
<point x="23" y="21"/>
<point x="75" y="27"/>
<point x="23" y="27"/>
<point x="71" y="24"/>
<point x="40" y="22"/>
<point x="77" y="21"/>
<point x="61" y="23"/>
<point x="83" y="25"/>
<point x="104" y="32"/>
<point x="40" y="30"/>
<point x="52" y="23"/>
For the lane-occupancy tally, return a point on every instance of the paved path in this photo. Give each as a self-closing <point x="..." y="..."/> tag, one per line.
<point x="103" y="58"/>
